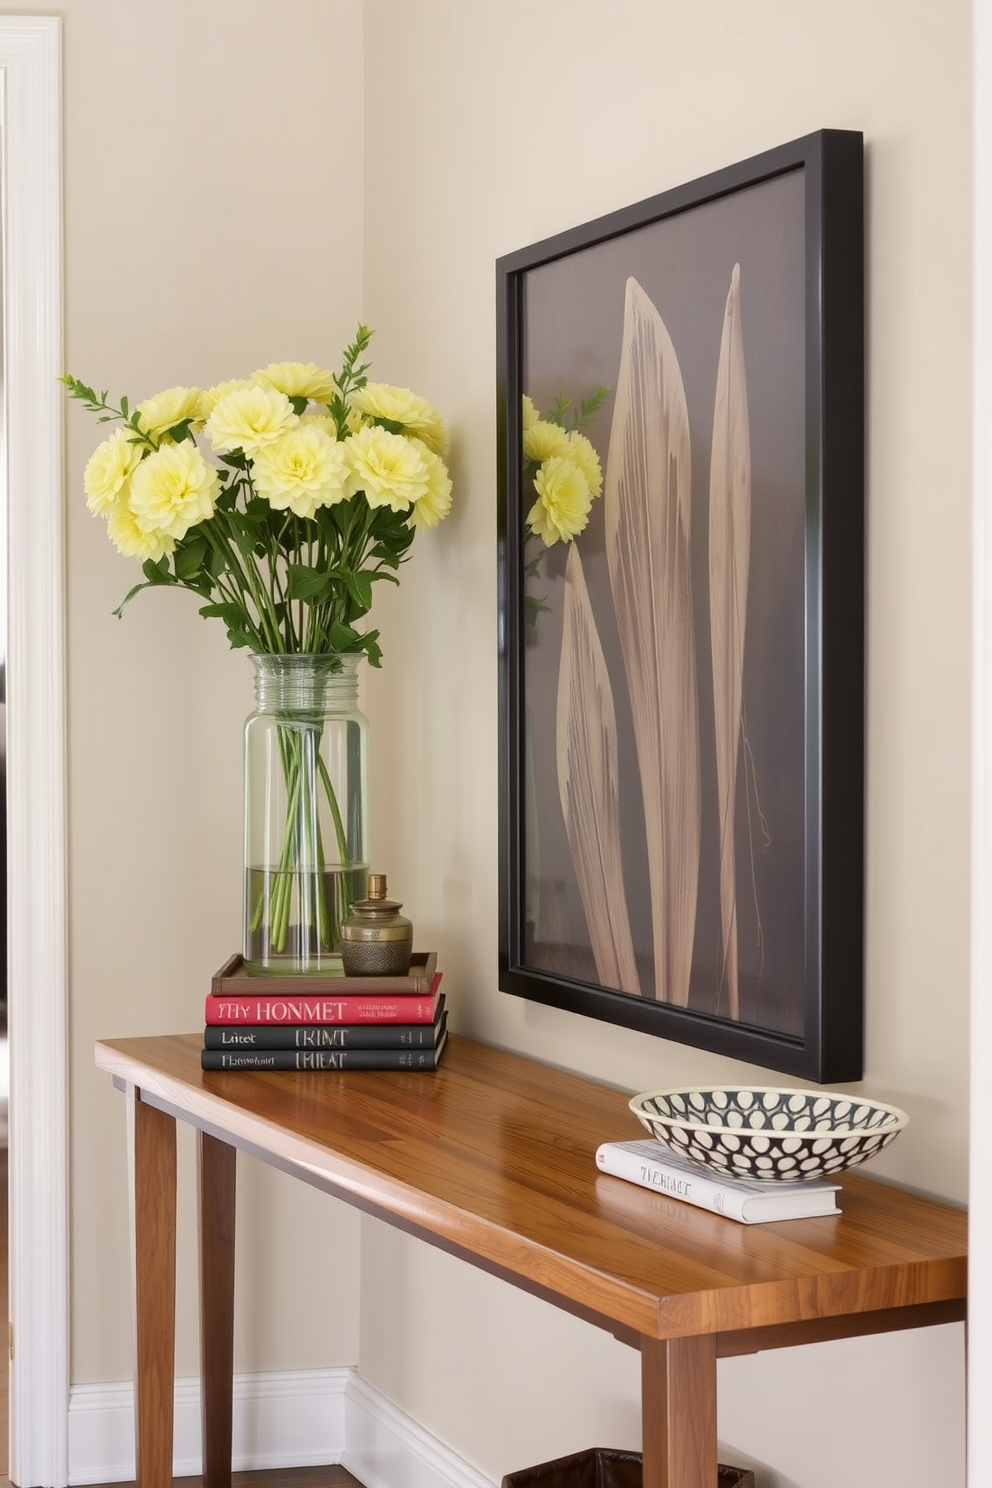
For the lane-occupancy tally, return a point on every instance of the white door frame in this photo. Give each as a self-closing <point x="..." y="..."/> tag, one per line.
<point x="980" y="1196"/>
<point x="31" y="90"/>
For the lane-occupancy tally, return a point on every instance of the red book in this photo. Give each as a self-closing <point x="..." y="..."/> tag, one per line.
<point x="323" y="1007"/>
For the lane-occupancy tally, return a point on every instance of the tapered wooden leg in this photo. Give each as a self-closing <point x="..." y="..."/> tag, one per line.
<point x="216" y="1167"/>
<point x="152" y="1149"/>
<point x="678" y="1409"/>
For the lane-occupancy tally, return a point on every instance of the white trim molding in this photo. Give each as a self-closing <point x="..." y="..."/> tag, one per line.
<point x="303" y="1418"/>
<point x="385" y="1448"/>
<point x="31" y="88"/>
<point x="295" y="1418"/>
<point x="980" y="1195"/>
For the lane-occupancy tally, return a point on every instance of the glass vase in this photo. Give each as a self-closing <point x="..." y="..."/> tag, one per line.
<point x="306" y="812"/>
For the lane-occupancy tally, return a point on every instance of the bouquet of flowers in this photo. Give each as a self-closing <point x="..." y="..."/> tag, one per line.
<point x="279" y="500"/>
<point x="318" y="484"/>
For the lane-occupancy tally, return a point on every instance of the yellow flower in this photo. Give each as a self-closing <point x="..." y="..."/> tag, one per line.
<point x="213" y="395"/>
<point x="435" y="504"/>
<point x="542" y="440"/>
<point x="172" y="490"/>
<point x="391" y="470"/>
<point x="530" y="413"/>
<point x="297" y="380"/>
<point x="321" y="421"/>
<point x="583" y="452"/>
<point x="108" y="472"/>
<point x="165" y="410"/>
<point x="128" y="538"/>
<point x="562" y="508"/>
<point x="377" y="400"/>
<point x="303" y="470"/>
<point x="249" y="418"/>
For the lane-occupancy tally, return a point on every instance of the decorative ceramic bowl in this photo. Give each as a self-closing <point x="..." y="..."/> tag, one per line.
<point x="783" y="1136"/>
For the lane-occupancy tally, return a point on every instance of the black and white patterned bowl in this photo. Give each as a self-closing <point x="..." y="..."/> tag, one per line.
<point x="783" y="1136"/>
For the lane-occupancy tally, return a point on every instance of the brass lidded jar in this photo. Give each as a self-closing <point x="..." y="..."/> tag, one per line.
<point x="376" y="940"/>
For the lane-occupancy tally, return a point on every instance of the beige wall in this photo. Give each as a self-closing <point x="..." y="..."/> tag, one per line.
<point x="213" y="223"/>
<point x="519" y="120"/>
<point x="216" y="172"/>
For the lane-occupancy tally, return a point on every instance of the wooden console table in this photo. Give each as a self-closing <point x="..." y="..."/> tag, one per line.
<point x="492" y="1159"/>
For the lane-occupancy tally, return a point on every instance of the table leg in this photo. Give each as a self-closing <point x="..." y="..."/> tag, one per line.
<point x="216" y="1168"/>
<point x="678" y="1409"/>
<point x="152" y="1155"/>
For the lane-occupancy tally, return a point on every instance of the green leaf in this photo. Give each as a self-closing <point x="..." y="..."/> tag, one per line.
<point x="343" y="638"/>
<point x="239" y="639"/>
<point x="216" y="562"/>
<point x="359" y="586"/>
<point x="236" y="460"/>
<point x="189" y="556"/>
<point x="299" y="404"/>
<point x="245" y="532"/>
<point x="125" y="406"/>
<point x="180" y="431"/>
<point x="372" y="649"/>
<point x="156" y="571"/>
<point x="307" y="583"/>
<point x="231" y="614"/>
<point x="119" y="612"/>
<point x="389" y="424"/>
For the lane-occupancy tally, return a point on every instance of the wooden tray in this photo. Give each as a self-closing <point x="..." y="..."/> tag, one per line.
<point x="233" y="979"/>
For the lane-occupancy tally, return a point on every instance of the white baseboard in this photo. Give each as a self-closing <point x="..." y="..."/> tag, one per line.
<point x="387" y="1449"/>
<point x="303" y="1418"/>
<point x="290" y="1419"/>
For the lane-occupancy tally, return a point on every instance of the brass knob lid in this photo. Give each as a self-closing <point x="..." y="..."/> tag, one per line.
<point x="376" y="905"/>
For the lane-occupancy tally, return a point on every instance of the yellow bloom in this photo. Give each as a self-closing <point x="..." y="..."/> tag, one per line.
<point x="165" y="410"/>
<point x="435" y="504"/>
<point x="249" y="419"/>
<point x="108" y="473"/>
<point x="542" y="440"/>
<point x="128" y="538"/>
<point x="400" y="406"/>
<point x="583" y="452"/>
<point x="213" y="395"/>
<point x="564" y="499"/>
<point x="321" y="421"/>
<point x="303" y="470"/>
<point x="530" y="413"/>
<point x="297" y="380"/>
<point x="391" y="470"/>
<point x="172" y="490"/>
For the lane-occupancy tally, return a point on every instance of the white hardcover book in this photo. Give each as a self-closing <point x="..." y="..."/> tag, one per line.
<point x="653" y="1165"/>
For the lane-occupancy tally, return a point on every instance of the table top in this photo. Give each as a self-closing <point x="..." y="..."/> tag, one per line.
<point x="493" y="1158"/>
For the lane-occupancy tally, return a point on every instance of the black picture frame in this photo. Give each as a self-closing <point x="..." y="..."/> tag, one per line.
<point x="762" y="799"/>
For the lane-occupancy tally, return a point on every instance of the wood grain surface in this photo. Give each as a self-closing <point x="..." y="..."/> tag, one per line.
<point x="493" y="1157"/>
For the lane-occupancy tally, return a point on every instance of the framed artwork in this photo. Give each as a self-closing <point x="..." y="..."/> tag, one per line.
<point x="681" y="593"/>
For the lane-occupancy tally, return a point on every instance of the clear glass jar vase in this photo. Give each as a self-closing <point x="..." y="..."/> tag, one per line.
<point x="306" y="812"/>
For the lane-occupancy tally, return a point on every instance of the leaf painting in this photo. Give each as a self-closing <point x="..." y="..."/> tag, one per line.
<point x="589" y="783"/>
<point x="648" y="530"/>
<point x="729" y="564"/>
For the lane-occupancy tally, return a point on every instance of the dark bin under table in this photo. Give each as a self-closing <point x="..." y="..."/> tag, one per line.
<point x="599" y="1467"/>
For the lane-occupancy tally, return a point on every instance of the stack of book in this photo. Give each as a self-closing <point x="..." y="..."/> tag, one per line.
<point x="653" y="1165"/>
<point x="287" y="1023"/>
